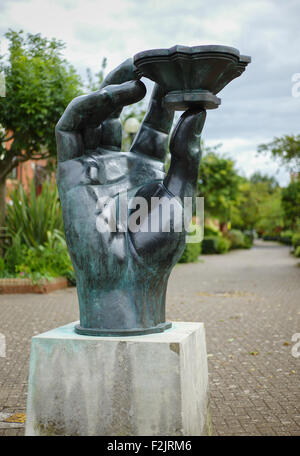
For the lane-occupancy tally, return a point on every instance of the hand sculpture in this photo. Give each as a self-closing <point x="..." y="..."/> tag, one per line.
<point x="122" y="276"/>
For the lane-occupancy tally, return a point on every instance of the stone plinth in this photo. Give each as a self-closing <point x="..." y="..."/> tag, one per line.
<point x="153" y="384"/>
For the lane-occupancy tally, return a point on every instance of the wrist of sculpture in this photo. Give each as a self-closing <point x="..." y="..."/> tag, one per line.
<point x="125" y="310"/>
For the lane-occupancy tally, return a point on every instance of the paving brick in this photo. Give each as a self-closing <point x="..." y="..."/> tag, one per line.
<point x="249" y="302"/>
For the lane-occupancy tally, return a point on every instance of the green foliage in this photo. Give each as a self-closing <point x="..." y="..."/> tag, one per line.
<point x="191" y="252"/>
<point x="248" y="239"/>
<point x="209" y="245"/>
<point x="39" y="85"/>
<point x="211" y="231"/>
<point x="218" y="183"/>
<point x="38" y="248"/>
<point x="215" y="244"/>
<point x="296" y="240"/>
<point x="271" y="238"/>
<point x="94" y="82"/>
<point x="286" y="237"/>
<point x="258" y="205"/>
<point x="286" y="149"/>
<point x="223" y="245"/>
<point x="297" y="252"/>
<point x="32" y="216"/>
<point x="236" y="239"/>
<point x="13" y="256"/>
<point x="270" y="181"/>
<point x="48" y="260"/>
<point x="192" y="249"/>
<point x="270" y="213"/>
<point x="239" y="240"/>
<point x="291" y="203"/>
<point x="39" y="262"/>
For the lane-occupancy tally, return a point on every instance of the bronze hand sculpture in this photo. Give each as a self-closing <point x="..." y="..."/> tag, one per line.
<point x="122" y="276"/>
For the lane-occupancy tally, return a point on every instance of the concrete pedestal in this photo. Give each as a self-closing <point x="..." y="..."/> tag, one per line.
<point x="155" y="384"/>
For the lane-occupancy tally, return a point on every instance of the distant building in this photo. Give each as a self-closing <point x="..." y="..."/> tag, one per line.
<point x="25" y="172"/>
<point x="294" y="176"/>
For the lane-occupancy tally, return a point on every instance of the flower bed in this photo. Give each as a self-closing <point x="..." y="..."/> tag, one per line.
<point x="10" y="286"/>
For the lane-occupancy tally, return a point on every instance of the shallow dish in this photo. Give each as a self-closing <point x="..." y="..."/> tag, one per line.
<point x="192" y="76"/>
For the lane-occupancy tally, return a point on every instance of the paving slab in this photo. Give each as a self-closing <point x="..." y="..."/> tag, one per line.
<point x="249" y="301"/>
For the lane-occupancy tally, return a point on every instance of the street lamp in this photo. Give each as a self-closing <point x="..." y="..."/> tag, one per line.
<point x="131" y="127"/>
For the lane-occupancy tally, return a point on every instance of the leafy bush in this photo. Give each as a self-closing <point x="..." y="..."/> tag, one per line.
<point x="248" y="239"/>
<point x="210" y="231"/>
<point x="209" y="244"/>
<point x="40" y="262"/>
<point x="286" y="237"/>
<point x="215" y="244"/>
<point x="296" y="240"/>
<point x="271" y="238"/>
<point x="297" y="252"/>
<point x="191" y="253"/>
<point x="236" y="238"/>
<point x="13" y="256"/>
<point x="223" y="245"/>
<point x="38" y="248"/>
<point x="32" y="216"/>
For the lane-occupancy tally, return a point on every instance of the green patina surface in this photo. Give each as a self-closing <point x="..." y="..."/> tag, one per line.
<point x="122" y="275"/>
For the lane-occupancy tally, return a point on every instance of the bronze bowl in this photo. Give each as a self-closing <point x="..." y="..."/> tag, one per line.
<point x="191" y="76"/>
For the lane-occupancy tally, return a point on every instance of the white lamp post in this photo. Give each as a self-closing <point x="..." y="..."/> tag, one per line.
<point x="131" y="127"/>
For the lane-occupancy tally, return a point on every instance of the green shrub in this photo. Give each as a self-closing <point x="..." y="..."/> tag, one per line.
<point x="296" y="240"/>
<point x="33" y="216"/>
<point x="271" y="238"/>
<point x="223" y="245"/>
<point x="13" y="256"/>
<point x="236" y="238"/>
<point x="210" y="231"/>
<point x="286" y="237"/>
<point x="248" y="239"/>
<point x="215" y="244"/>
<point x="48" y="260"/>
<point x="209" y="245"/>
<point x="191" y="252"/>
<point x="39" y="262"/>
<point x="297" y="252"/>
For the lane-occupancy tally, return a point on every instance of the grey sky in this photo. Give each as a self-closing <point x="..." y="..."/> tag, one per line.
<point x="255" y="108"/>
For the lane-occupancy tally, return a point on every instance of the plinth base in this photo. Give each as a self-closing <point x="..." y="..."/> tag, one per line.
<point x="154" y="384"/>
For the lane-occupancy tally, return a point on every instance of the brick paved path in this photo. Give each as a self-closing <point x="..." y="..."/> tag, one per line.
<point x="249" y="301"/>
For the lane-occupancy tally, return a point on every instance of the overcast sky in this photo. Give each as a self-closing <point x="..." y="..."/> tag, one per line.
<point x="255" y="108"/>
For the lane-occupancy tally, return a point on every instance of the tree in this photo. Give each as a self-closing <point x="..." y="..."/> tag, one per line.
<point x="244" y="212"/>
<point x="94" y="82"/>
<point x="270" y="181"/>
<point x="39" y="85"/>
<point x="258" y="205"/>
<point x="218" y="183"/>
<point x="286" y="149"/>
<point x="291" y="203"/>
<point x="270" y="213"/>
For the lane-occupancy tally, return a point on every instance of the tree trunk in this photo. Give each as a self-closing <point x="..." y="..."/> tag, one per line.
<point x="2" y="201"/>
